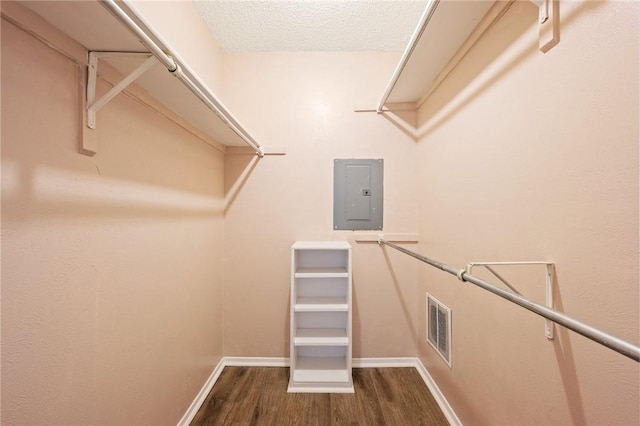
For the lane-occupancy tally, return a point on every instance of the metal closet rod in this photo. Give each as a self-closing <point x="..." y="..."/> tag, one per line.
<point x="179" y="69"/>
<point x="621" y="346"/>
<point x="422" y="25"/>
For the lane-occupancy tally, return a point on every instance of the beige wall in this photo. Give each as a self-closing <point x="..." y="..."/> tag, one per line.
<point x="305" y="102"/>
<point x="112" y="266"/>
<point x="531" y="156"/>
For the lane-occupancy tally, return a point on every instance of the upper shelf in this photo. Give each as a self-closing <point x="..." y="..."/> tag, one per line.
<point x="447" y="30"/>
<point x="93" y="26"/>
<point x="442" y="30"/>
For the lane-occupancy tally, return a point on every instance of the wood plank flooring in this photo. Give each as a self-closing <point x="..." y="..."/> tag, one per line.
<point x="258" y="396"/>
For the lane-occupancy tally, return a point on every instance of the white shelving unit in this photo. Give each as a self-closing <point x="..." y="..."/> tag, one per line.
<point x="321" y="317"/>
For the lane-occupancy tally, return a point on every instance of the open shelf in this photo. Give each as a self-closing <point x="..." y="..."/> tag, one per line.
<point x="319" y="272"/>
<point x="449" y="33"/>
<point x="321" y="337"/>
<point x="95" y="28"/>
<point x="321" y="369"/>
<point x="321" y="245"/>
<point x="321" y="304"/>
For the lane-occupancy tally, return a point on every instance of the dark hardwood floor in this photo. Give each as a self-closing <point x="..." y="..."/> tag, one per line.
<point x="258" y="396"/>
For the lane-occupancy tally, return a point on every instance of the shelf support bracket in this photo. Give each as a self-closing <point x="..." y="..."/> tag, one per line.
<point x="548" y="21"/>
<point x="543" y="10"/>
<point x="92" y="105"/>
<point x="549" y="278"/>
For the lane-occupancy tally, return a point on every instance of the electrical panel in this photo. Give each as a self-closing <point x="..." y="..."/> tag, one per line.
<point x="357" y="194"/>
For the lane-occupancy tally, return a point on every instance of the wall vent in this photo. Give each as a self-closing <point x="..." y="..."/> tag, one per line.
<point x="439" y="328"/>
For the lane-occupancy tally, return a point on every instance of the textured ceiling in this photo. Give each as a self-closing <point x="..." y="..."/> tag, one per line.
<point x="312" y="25"/>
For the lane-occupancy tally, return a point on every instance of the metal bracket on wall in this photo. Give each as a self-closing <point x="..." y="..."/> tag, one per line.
<point x="549" y="278"/>
<point x="548" y="19"/>
<point x="543" y="10"/>
<point x="92" y="105"/>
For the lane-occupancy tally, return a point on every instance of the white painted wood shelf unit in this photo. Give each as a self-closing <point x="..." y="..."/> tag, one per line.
<point x="321" y="316"/>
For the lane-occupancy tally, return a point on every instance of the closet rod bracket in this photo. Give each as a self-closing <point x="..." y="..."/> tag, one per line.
<point x="93" y="104"/>
<point x="549" y="24"/>
<point x="549" y="278"/>
<point x="543" y="10"/>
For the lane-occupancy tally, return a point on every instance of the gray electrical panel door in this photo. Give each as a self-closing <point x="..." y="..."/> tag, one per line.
<point x="357" y="194"/>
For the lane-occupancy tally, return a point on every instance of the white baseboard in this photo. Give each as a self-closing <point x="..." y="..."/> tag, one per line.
<point x="202" y="395"/>
<point x="284" y="362"/>
<point x="437" y="394"/>
<point x="228" y="361"/>
<point x="383" y="362"/>
<point x="236" y="361"/>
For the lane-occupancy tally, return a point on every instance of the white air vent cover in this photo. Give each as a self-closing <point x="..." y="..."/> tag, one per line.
<point x="439" y="328"/>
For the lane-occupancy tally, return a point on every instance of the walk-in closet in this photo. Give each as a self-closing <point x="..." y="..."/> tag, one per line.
<point x="320" y="212"/>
